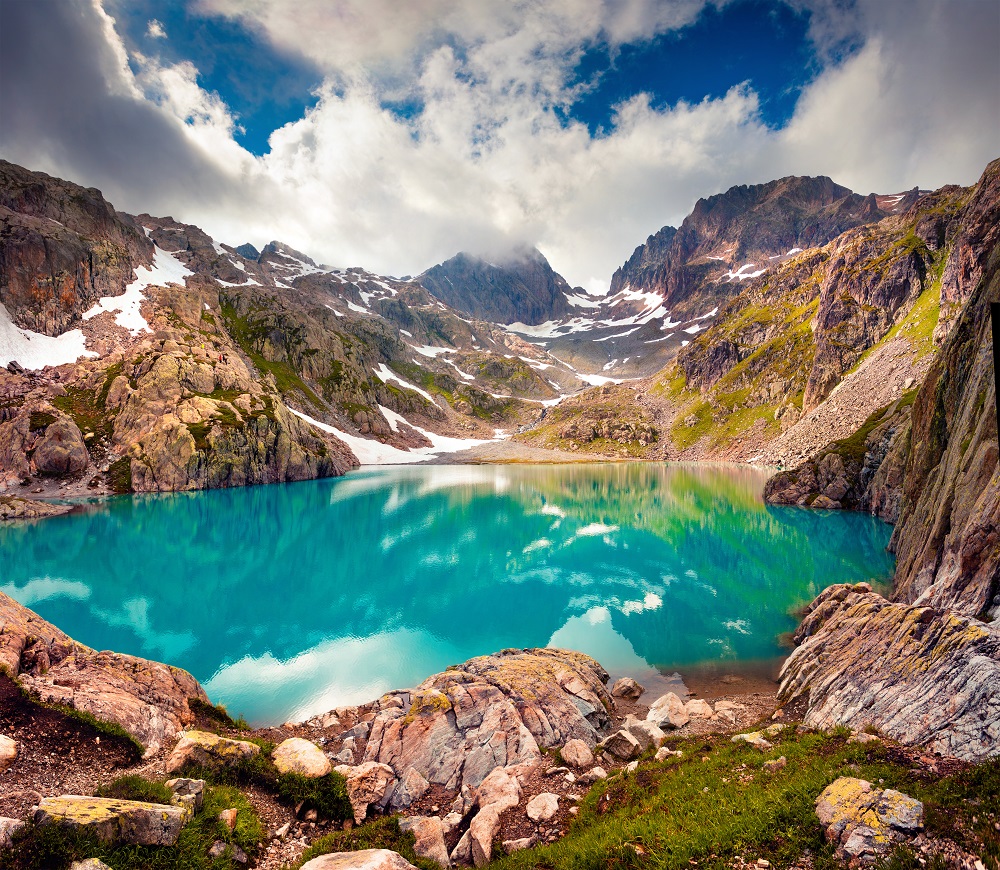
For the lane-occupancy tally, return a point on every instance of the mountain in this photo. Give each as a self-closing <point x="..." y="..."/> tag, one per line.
<point x="521" y="288"/>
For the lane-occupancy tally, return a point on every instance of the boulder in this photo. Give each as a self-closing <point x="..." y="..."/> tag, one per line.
<point x="482" y="831"/>
<point x="410" y="788"/>
<point x="627" y="688"/>
<point x="208" y="750"/>
<point x="187" y="793"/>
<point x="668" y="711"/>
<point x="429" y="833"/>
<point x="576" y="753"/>
<point x="89" y="864"/>
<point x="492" y="711"/>
<point x="368" y="783"/>
<point x="61" y="450"/>
<point x="645" y="732"/>
<point x="729" y="710"/>
<point x="132" y="822"/>
<point x="865" y="822"/>
<point x="591" y="776"/>
<point x="8" y="827"/>
<point x="919" y="675"/>
<point x="543" y="807"/>
<point x="296" y="755"/>
<point x="699" y="709"/>
<point x="621" y="745"/>
<point x="363" y="859"/>
<point x="8" y="752"/>
<point x="148" y="699"/>
<point x="500" y="790"/>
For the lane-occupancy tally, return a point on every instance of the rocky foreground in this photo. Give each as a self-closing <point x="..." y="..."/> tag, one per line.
<point x="498" y="753"/>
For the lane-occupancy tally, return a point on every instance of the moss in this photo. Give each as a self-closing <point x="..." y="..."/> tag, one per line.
<point x="40" y="420"/>
<point x="200" y="432"/>
<point x="119" y="476"/>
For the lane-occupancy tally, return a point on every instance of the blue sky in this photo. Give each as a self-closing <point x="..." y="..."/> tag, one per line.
<point x="393" y="134"/>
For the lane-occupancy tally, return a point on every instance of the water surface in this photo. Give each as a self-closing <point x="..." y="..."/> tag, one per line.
<point x="288" y="600"/>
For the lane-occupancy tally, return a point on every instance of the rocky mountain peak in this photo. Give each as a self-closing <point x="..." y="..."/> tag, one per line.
<point x="247" y="251"/>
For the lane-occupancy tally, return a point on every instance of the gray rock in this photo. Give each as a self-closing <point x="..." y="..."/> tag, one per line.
<point x="187" y="793"/>
<point x="364" y="859"/>
<point x="61" y="449"/>
<point x="8" y="827"/>
<point x="591" y="776"/>
<point x="645" y="732"/>
<point x="542" y="807"/>
<point x="410" y="788"/>
<point x="511" y="846"/>
<point x="462" y="853"/>
<point x="627" y="688"/>
<point x="133" y="822"/>
<point x="668" y="711"/>
<point x="621" y="745"/>
<point x="577" y="753"/>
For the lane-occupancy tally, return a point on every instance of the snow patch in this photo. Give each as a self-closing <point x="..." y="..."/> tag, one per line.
<point x="385" y="374"/>
<point x="36" y="351"/>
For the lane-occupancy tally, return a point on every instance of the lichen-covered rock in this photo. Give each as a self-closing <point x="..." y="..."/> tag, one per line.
<point x="363" y="859"/>
<point x="668" y="711"/>
<point x="753" y="738"/>
<point x="89" y="864"/>
<point x="918" y="675"/>
<point x="209" y="750"/>
<point x="493" y="711"/>
<point x="133" y="822"/>
<point x="61" y="450"/>
<point x="187" y="793"/>
<point x="148" y="699"/>
<point x="622" y="745"/>
<point x="368" y="783"/>
<point x="297" y="755"/>
<point x="866" y="822"/>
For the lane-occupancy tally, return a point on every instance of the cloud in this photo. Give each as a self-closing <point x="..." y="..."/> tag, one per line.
<point x="486" y="159"/>
<point x="154" y="30"/>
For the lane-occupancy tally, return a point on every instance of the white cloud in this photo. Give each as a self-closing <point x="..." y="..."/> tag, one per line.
<point x="154" y="30"/>
<point x="486" y="161"/>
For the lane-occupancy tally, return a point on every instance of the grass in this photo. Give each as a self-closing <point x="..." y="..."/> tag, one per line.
<point x="381" y="833"/>
<point x="53" y="847"/>
<point x="689" y="811"/>
<point x="218" y="714"/>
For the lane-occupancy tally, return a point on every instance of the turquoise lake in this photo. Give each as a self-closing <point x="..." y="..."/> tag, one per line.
<point x="289" y="600"/>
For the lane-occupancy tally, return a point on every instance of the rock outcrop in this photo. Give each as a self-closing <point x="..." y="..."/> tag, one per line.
<point x="921" y="676"/>
<point x="491" y="712"/>
<point x="133" y="822"/>
<point x="148" y="699"/>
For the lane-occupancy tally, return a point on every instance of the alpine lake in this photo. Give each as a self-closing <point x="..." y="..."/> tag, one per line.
<point x="289" y="600"/>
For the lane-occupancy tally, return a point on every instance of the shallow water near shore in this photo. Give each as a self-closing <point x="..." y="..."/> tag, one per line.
<point x="289" y="600"/>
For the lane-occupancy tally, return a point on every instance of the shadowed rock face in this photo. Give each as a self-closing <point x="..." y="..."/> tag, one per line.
<point x="921" y="676"/>
<point x="148" y="699"/>
<point x="493" y="711"/>
<point x="521" y="288"/>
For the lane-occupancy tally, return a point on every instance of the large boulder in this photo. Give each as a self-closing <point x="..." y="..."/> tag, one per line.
<point x="297" y="755"/>
<point x="133" y="822"/>
<point x="493" y="711"/>
<point x="919" y="675"/>
<point x="148" y="699"/>
<point x="61" y="450"/>
<point x="668" y="711"/>
<point x="428" y="832"/>
<point x="209" y="750"/>
<point x="368" y="783"/>
<point x="363" y="859"/>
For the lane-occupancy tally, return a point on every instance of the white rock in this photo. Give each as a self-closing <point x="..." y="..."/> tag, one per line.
<point x="543" y="807"/>
<point x="296" y="755"/>
<point x="662" y="754"/>
<point x="668" y="711"/>
<point x="593" y="775"/>
<point x="510" y="846"/>
<point x="365" y="859"/>
<point x="482" y="831"/>
<point x="699" y="709"/>
<point x="577" y="753"/>
<point x="500" y="790"/>
<point x="645" y="732"/>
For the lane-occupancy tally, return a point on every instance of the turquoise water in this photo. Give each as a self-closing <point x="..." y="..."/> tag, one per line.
<point x="289" y="600"/>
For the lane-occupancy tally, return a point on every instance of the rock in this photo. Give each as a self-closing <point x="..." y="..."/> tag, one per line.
<point x="627" y="688"/>
<point x="668" y="711"/>
<point x="462" y="853"/>
<point x="493" y="711"/>
<point x="8" y="752"/>
<point x="662" y="754"/>
<point x="866" y="822"/>
<point x="219" y="848"/>
<point x="89" y="864"/>
<point x="363" y="859"/>
<point x="411" y="787"/>
<point x="132" y="822"/>
<point x="187" y="793"/>
<point x="591" y="776"/>
<point x="450" y="822"/>
<point x="729" y="710"/>
<point x="296" y="755"/>
<point x="148" y="699"/>
<point x="862" y="737"/>
<point x="511" y="846"/>
<point x="543" y="807"/>
<point x="621" y="745"/>
<point x="429" y="833"/>
<point x="61" y="449"/>
<point x="776" y="764"/>
<point x="577" y="753"/>
<point x="8" y="827"/>
<point x="645" y="732"/>
<point x="699" y="709"/>
<point x="367" y="783"/>
<point x="920" y="676"/>
<point x="464" y="801"/>
<point x="500" y="790"/>
<point x="754" y="738"/>
<point x="208" y="750"/>
<point x="228" y="818"/>
<point x="482" y="831"/>
<point x="632" y="766"/>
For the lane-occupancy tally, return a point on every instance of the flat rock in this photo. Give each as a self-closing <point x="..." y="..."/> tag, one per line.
<point x="364" y="859"/>
<point x="297" y="755"/>
<point x="429" y="833"/>
<point x="865" y="822"/>
<point x="668" y="711"/>
<point x="492" y="711"/>
<point x="754" y="738"/>
<point x="622" y="745"/>
<point x="627" y="688"/>
<point x="133" y="822"/>
<point x="919" y="675"/>
<point x="519" y="845"/>
<point x="542" y="807"/>
<point x="209" y="750"/>
<point x="577" y="753"/>
<point x="8" y="752"/>
<point x="592" y="775"/>
<point x="368" y="783"/>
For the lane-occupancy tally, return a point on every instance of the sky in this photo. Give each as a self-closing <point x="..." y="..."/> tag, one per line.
<point x="391" y="134"/>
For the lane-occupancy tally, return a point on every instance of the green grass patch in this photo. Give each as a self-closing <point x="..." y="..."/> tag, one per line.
<point x="380" y="833"/>
<point x="120" y="475"/>
<point x="136" y="788"/>
<point x="40" y="420"/>
<point x="218" y="714"/>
